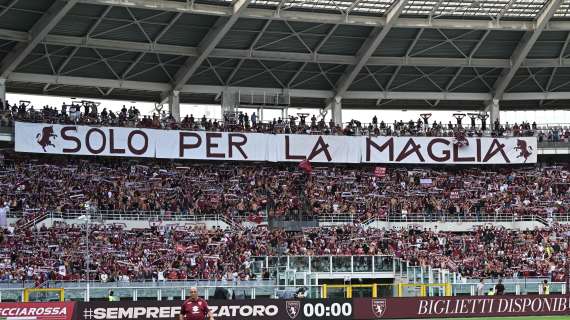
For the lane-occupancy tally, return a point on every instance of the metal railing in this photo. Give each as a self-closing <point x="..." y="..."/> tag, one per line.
<point x="436" y="217"/>
<point x="552" y="147"/>
<point x="561" y="217"/>
<point x="512" y="286"/>
<point x="252" y="290"/>
<point x="178" y="291"/>
<point x="151" y="216"/>
<point x="323" y="219"/>
<point x="328" y="263"/>
<point x="34" y="220"/>
<point x="359" y="128"/>
<point x="337" y="218"/>
<point x="496" y="217"/>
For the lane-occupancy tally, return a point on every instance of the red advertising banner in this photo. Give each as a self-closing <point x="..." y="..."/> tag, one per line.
<point x="37" y="310"/>
<point x="461" y="307"/>
<point x="258" y="309"/>
<point x="269" y="309"/>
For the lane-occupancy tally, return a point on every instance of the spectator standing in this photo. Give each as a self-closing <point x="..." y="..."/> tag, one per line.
<point x="500" y="288"/>
<point x="545" y="288"/>
<point x="481" y="288"/>
<point x="72" y="113"/>
<point x="300" y="293"/>
<point x="195" y="308"/>
<point x="77" y="113"/>
<point x="113" y="297"/>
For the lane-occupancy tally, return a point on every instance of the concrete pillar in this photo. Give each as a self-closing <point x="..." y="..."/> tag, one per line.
<point x="336" y="108"/>
<point x="285" y="113"/>
<point x="174" y="104"/>
<point x="230" y="100"/>
<point x="3" y="91"/>
<point x="494" y="112"/>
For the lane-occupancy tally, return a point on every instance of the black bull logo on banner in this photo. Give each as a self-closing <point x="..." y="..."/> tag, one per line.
<point x="44" y="138"/>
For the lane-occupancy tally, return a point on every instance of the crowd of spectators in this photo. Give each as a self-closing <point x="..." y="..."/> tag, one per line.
<point x="436" y="194"/>
<point x="89" y="113"/>
<point x="59" y="184"/>
<point x="169" y="252"/>
<point x="161" y="253"/>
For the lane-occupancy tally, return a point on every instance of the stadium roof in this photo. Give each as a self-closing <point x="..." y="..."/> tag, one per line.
<point x="371" y="53"/>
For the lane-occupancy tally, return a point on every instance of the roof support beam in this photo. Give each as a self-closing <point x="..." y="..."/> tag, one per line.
<point x="8" y="7"/>
<point x="523" y="48"/>
<point x="281" y="56"/>
<point x="38" y="32"/>
<point x="367" y="49"/>
<point x="301" y="93"/>
<point x="251" y="47"/>
<point x="329" y="18"/>
<point x="210" y="41"/>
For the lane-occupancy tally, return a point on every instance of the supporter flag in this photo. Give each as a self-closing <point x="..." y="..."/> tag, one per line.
<point x="380" y="171"/>
<point x="451" y="265"/>
<point x="306" y="166"/>
<point x="180" y="248"/>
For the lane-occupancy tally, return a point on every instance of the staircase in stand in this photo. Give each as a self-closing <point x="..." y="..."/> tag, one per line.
<point x="541" y="220"/>
<point x="230" y="222"/>
<point x="24" y="225"/>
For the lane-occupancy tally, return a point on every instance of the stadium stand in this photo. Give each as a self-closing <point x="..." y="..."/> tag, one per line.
<point x="175" y="253"/>
<point x="59" y="184"/>
<point x="116" y="205"/>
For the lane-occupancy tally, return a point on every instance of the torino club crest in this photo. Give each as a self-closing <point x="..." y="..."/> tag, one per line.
<point x="293" y="308"/>
<point x="378" y="307"/>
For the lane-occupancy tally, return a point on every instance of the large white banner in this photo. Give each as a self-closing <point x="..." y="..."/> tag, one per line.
<point x="85" y="140"/>
<point x="297" y="147"/>
<point x="199" y="145"/>
<point x="444" y="150"/>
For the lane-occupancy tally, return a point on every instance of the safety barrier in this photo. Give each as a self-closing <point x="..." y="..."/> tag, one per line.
<point x="376" y="290"/>
<point x="323" y="219"/>
<point x="176" y="290"/>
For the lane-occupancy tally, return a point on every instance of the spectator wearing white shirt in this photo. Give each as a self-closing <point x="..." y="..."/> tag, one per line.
<point x="481" y="288"/>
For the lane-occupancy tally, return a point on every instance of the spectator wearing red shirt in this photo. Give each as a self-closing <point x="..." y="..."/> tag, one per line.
<point x="195" y="308"/>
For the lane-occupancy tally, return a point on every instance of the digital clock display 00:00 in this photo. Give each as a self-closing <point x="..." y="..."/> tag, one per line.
<point x="322" y="310"/>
